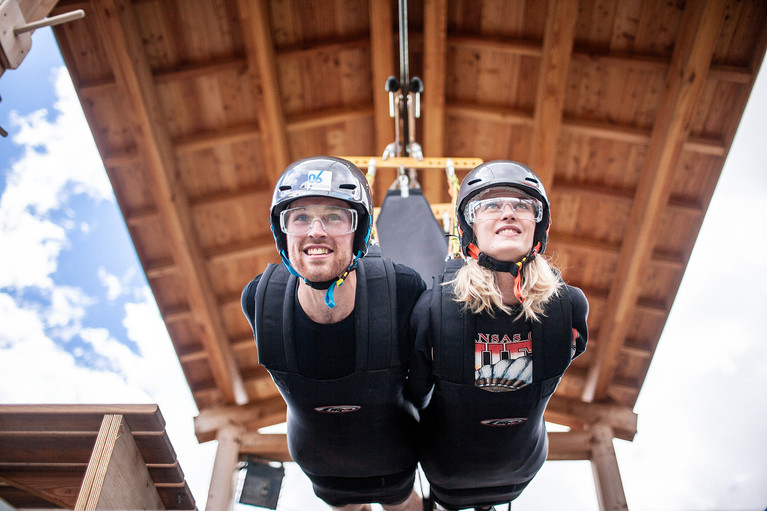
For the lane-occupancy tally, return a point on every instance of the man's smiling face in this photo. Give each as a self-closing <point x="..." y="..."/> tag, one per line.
<point x="318" y="256"/>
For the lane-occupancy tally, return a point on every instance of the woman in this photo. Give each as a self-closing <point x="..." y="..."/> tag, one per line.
<point x="493" y="339"/>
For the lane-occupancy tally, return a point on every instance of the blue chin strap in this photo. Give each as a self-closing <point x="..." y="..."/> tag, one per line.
<point x="330" y="285"/>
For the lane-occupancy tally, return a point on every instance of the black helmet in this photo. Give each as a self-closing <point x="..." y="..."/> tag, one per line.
<point x="502" y="173"/>
<point x="324" y="176"/>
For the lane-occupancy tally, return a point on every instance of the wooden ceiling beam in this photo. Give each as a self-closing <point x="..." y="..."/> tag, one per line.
<point x="689" y="66"/>
<point x="603" y="130"/>
<point x="212" y="139"/>
<point x="123" y="44"/>
<point x="511" y="46"/>
<point x="433" y="98"/>
<point x="382" y="64"/>
<point x="563" y="445"/>
<point x="558" y="37"/>
<point x="526" y="48"/>
<point x="309" y="120"/>
<point x="315" y="48"/>
<point x="257" y="33"/>
<point x="251" y="416"/>
<point x="563" y="410"/>
<point x="273" y="447"/>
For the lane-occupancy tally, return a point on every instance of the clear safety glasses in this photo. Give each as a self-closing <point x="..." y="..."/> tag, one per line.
<point x="495" y="208"/>
<point x="334" y="220"/>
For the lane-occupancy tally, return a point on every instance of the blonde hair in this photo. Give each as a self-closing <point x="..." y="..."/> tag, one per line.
<point x="476" y="289"/>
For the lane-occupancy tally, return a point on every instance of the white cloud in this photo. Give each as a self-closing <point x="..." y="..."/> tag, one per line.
<point x="29" y="248"/>
<point x="55" y="166"/>
<point x="111" y="282"/>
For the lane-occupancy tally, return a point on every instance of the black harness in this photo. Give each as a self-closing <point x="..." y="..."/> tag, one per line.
<point x="479" y="447"/>
<point x="355" y="426"/>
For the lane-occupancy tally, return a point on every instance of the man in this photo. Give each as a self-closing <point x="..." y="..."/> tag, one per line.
<point x="331" y="327"/>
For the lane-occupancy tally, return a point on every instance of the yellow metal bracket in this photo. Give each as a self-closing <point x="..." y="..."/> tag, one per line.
<point x="411" y="163"/>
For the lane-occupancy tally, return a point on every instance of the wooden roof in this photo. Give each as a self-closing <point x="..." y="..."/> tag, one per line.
<point x="89" y="457"/>
<point x="626" y="109"/>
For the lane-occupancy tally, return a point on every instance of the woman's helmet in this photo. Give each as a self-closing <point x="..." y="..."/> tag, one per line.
<point x="502" y="173"/>
<point x="324" y="176"/>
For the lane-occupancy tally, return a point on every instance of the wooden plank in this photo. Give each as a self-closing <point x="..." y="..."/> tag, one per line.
<point x="176" y="496"/>
<point x="273" y="447"/>
<point x="685" y="80"/>
<point x="552" y="80"/>
<point x="652" y="63"/>
<point x="58" y="486"/>
<point x="222" y="480"/>
<point x="382" y="57"/>
<point x="216" y="138"/>
<point x="569" y="445"/>
<point x="156" y="448"/>
<point x="117" y="477"/>
<point x="433" y="98"/>
<point x="604" y="464"/>
<point x="256" y="29"/>
<point x="124" y="45"/>
<point x="596" y="129"/>
<point x="325" y="117"/>
<point x="75" y="417"/>
<point x="95" y="469"/>
<point x="493" y="113"/>
<point x="621" y="419"/>
<point x="30" y="448"/>
<point x="20" y="499"/>
<point x="252" y="417"/>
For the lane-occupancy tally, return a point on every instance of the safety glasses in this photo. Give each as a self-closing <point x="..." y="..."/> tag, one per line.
<point x="492" y="209"/>
<point x="334" y="220"/>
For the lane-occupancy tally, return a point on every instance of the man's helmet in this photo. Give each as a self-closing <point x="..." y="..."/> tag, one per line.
<point x="324" y="176"/>
<point x="502" y="173"/>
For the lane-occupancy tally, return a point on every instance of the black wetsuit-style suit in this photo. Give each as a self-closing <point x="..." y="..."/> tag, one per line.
<point x="482" y="448"/>
<point x="350" y="429"/>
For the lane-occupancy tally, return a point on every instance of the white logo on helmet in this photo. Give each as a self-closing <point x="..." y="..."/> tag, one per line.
<point x="318" y="180"/>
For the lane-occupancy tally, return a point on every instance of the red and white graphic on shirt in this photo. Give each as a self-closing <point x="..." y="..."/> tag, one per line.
<point x="490" y="349"/>
<point x="502" y="362"/>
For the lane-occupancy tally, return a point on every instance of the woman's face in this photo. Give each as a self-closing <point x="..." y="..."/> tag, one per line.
<point x="504" y="229"/>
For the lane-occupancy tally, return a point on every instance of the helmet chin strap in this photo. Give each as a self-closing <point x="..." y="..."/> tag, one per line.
<point x="330" y="285"/>
<point x="515" y="268"/>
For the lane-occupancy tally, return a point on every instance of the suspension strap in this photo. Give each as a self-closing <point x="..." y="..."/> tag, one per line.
<point x="453" y="187"/>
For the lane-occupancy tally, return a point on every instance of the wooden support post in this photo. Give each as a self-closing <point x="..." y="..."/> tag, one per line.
<point x="222" y="482"/>
<point x="605" y="466"/>
<point x="117" y="477"/>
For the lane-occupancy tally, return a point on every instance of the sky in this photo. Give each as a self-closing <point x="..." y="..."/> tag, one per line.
<point x="79" y="324"/>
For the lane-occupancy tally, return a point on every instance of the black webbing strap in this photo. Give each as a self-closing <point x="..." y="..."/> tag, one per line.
<point x="375" y="316"/>
<point x="376" y="330"/>
<point x="450" y="327"/>
<point x="270" y="289"/>
<point x="553" y="337"/>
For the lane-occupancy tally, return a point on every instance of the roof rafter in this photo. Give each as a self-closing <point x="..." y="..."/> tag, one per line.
<point x="130" y="66"/>
<point x="382" y="64"/>
<point x="259" y="45"/>
<point x="552" y="79"/>
<point x="687" y="74"/>
<point x="435" y="51"/>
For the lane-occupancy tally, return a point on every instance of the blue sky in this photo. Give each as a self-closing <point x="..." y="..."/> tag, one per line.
<point x="79" y="323"/>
